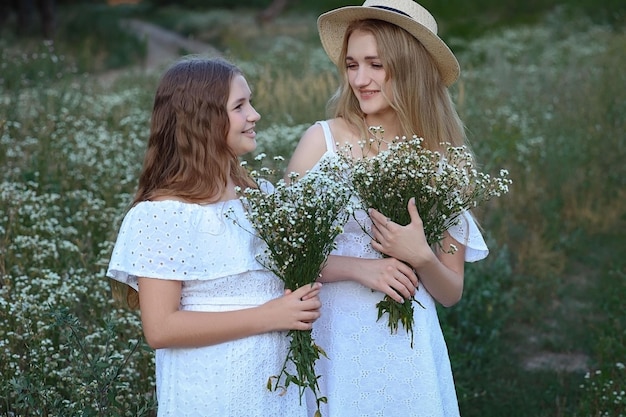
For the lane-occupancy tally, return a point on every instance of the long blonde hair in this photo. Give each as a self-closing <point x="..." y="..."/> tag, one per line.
<point x="420" y="99"/>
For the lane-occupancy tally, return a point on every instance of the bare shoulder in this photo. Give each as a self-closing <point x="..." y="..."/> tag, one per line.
<point x="309" y="150"/>
<point x="313" y="137"/>
<point x="343" y="133"/>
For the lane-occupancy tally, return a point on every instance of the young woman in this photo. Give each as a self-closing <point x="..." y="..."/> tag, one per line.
<point x="395" y="71"/>
<point x="215" y="316"/>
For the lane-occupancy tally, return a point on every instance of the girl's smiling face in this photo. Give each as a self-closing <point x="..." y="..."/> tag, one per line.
<point x="242" y="117"/>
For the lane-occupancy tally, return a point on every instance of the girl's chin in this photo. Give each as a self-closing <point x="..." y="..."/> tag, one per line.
<point x="252" y="146"/>
<point x="247" y="149"/>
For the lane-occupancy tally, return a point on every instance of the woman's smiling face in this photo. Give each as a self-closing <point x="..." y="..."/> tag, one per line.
<point x="366" y="74"/>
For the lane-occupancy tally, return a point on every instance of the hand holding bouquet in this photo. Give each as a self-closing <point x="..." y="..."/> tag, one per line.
<point x="299" y="222"/>
<point x="444" y="183"/>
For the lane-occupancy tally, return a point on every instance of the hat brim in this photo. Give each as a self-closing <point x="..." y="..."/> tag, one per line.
<point x="332" y="27"/>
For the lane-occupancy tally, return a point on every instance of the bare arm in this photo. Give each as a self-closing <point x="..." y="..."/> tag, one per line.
<point x="441" y="273"/>
<point x="389" y="276"/>
<point x="164" y="325"/>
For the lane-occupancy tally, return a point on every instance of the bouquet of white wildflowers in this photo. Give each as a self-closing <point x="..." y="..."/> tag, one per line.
<point x="444" y="184"/>
<point x="299" y="222"/>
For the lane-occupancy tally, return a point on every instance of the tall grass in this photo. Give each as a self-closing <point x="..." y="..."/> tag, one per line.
<point x="548" y="101"/>
<point x="545" y="101"/>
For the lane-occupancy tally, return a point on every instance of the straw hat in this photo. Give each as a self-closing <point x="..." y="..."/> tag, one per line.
<point x="406" y="14"/>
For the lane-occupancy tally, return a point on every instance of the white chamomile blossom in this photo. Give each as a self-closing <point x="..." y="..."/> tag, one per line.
<point x="299" y="220"/>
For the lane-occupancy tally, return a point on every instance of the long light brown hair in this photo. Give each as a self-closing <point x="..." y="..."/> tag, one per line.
<point x="419" y="97"/>
<point x="187" y="154"/>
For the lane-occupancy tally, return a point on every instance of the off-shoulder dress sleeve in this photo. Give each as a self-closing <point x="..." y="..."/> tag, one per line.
<point x="466" y="232"/>
<point x="178" y="241"/>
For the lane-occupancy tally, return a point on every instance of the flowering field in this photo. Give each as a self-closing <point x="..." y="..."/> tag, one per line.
<point x="545" y="101"/>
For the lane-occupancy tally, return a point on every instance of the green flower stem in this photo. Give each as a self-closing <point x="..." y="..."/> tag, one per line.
<point x="399" y="313"/>
<point x="303" y="352"/>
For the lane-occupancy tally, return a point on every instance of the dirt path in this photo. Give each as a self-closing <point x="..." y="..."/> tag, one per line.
<point x="163" y="47"/>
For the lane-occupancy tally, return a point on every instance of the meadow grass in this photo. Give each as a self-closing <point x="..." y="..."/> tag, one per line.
<point x="545" y="100"/>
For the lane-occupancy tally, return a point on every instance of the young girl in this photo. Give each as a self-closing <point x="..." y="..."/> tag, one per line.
<point x="214" y="315"/>
<point x="395" y="71"/>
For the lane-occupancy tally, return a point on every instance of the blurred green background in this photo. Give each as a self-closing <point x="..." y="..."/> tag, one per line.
<point x="541" y="328"/>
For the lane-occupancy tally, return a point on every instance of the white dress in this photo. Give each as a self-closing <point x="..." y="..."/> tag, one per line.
<point x="215" y="258"/>
<point x="370" y="372"/>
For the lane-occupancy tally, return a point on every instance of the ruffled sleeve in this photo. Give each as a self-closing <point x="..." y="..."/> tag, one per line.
<point x="466" y="232"/>
<point x="178" y="241"/>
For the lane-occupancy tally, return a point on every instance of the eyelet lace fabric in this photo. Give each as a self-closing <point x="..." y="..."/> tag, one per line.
<point x="215" y="258"/>
<point x="370" y="372"/>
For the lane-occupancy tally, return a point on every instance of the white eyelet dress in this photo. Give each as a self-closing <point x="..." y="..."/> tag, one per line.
<point x="215" y="258"/>
<point x="370" y="372"/>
